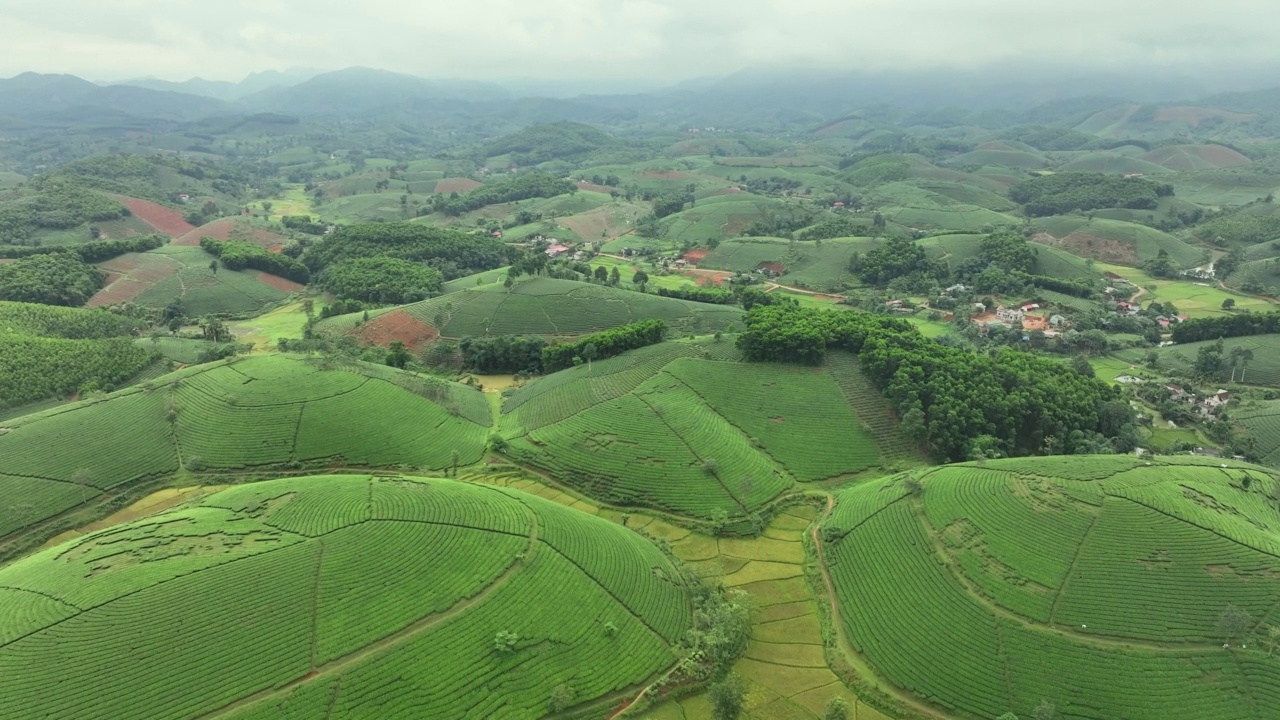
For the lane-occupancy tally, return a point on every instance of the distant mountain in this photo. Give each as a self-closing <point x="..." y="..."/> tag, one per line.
<point x="227" y="91"/>
<point x="66" y="99"/>
<point x="360" y="91"/>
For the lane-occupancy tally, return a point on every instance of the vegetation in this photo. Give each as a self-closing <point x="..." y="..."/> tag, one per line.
<point x="241" y="255"/>
<point x="520" y="187"/>
<point x="603" y="345"/>
<point x="92" y="252"/>
<point x="453" y="253"/>
<point x="1241" y="325"/>
<point x="1068" y="191"/>
<point x="55" y="279"/>
<point x="367" y="614"/>
<point x="1049" y="560"/>
<point x="52" y="202"/>
<point x="503" y="354"/>
<point x="381" y="280"/>
<point x="1009" y="403"/>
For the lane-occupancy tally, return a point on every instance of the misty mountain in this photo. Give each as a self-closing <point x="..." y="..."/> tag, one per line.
<point x="363" y="91"/>
<point x="57" y="99"/>
<point x="224" y="90"/>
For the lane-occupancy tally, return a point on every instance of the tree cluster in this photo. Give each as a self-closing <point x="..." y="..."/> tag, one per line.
<point x="93" y="252"/>
<point x="54" y="279"/>
<point x="453" y="253"/>
<point x="503" y="354"/>
<point x="1069" y="191"/>
<point x="303" y="224"/>
<point x="603" y="344"/>
<point x="236" y="255"/>
<point x="1009" y="402"/>
<point x="714" y="296"/>
<point x="896" y="257"/>
<point x="54" y="202"/>
<point x="384" y="281"/>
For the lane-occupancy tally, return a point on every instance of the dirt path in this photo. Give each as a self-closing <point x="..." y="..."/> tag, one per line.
<point x="410" y="632"/>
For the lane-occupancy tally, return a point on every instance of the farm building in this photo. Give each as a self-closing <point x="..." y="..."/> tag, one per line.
<point x="556" y="250"/>
<point x="1010" y="315"/>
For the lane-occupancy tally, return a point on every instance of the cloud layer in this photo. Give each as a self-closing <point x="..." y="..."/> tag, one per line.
<point x="669" y="39"/>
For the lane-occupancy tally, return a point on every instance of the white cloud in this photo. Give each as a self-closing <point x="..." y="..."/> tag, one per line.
<point x="673" y="39"/>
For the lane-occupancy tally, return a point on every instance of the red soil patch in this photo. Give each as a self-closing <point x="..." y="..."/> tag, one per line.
<point x="397" y="325"/>
<point x="231" y="229"/>
<point x="163" y="219"/>
<point x="738" y="222"/>
<point x="120" y="291"/>
<point x="774" y="267"/>
<point x="592" y="187"/>
<point x="706" y="278"/>
<point x="277" y="249"/>
<point x="128" y="276"/>
<point x="279" y="283"/>
<point x="459" y="185"/>
<point x="695" y="256"/>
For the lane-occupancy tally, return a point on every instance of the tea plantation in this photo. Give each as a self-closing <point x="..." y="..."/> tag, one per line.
<point x="546" y="306"/>
<point x="689" y="428"/>
<point x="1110" y="586"/>
<point x="271" y="411"/>
<point x="348" y="596"/>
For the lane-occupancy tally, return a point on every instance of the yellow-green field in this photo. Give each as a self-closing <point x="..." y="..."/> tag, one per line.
<point x="1197" y="299"/>
<point x="263" y="331"/>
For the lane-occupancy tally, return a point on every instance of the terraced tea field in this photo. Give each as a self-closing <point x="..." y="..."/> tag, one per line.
<point x="1263" y="369"/>
<point x="273" y="411"/>
<point x="1099" y="584"/>
<point x="387" y="596"/>
<point x="683" y="427"/>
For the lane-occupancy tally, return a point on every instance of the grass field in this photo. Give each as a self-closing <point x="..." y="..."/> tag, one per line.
<point x="1263" y="370"/>
<point x="981" y="593"/>
<point x="1197" y="299"/>
<point x="261" y="411"/>
<point x="340" y="596"/>
<point x="263" y="331"/>
<point x="685" y="427"/>
<point x="820" y="266"/>
<point x="544" y="306"/>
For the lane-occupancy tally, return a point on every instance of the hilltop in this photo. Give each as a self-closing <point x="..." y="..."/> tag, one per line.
<point x="340" y="596"/>
<point x="977" y="588"/>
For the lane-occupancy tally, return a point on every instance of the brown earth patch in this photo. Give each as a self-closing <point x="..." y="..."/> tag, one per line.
<point x="279" y="283"/>
<point x="666" y="175"/>
<point x="592" y="187"/>
<point x="708" y="278"/>
<point x="459" y="185"/>
<point x="738" y="222"/>
<point x="130" y="275"/>
<point x="163" y="219"/>
<point x="231" y="229"/>
<point x="774" y="267"/>
<point x="120" y="291"/>
<point x="1086" y="245"/>
<point x="696" y="256"/>
<point x="397" y="325"/>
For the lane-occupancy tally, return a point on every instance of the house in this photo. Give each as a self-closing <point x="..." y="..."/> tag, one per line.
<point x="1128" y="380"/>
<point x="1009" y="315"/>
<point x="183" y="197"/>
<point x="1164" y="323"/>
<point x="1030" y="307"/>
<point x="1057" y="321"/>
<point x="556" y="250"/>
<point x="1176" y="392"/>
<point x="979" y="307"/>
<point x="956" y="289"/>
<point x="1214" y="402"/>
<point x="893" y="303"/>
<point x="839" y="205"/>
<point x="1128" y="308"/>
<point x="497" y="233"/>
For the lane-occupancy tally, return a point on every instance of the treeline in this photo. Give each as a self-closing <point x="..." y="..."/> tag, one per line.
<point x="1069" y="191"/>
<point x="962" y="404"/>
<point x="56" y="203"/>
<point x="381" y="280"/>
<point x="93" y="252"/>
<point x="521" y="187"/>
<point x="453" y="253"/>
<point x="1251" y="224"/>
<point x="36" y="368"/>
<point x="603" y="345"/>
<point x="67" y="323"/>
<point x="303" y="224"/>
<point x="1241" y="325"/>
<point x="503" y="354"/>
<point x="54" y="279"/>
<point x="236" y="255"/>
<point x="715" y="296"/>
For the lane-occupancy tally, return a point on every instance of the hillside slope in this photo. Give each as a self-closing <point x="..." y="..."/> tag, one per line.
<point x="1104" y="585"/>
<point x="340" y="597"/>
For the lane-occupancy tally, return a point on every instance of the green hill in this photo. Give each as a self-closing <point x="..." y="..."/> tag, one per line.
<point x="686" y="427"/>
<point x="1050" y="261"/>
<point x="1196" y="157"/>
<point x="1111" y="163"/>
<point x="534" y="306"/>
<point x="53" y="352"/>
<point x="340" y="597"/>
<point x="1010" y="158"/>
<point x="1108" y="586"/>
<point x="822" y="266"/>
<point x="156" y="278"/>
<point x="265" y="411"/>
<point x="1115" y="240"/>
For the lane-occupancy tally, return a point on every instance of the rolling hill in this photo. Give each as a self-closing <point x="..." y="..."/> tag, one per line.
<point x="534" y="306"/>
<point x="688" y="428"/>
<point x="265" y="411"/>
<point x="1107" y="586"/>
<point x="179" y="272"/>
<point x="1114" y="241"/>
<point x="341" y="597"/>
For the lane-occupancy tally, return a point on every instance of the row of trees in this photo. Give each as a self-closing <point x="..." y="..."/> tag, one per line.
<point x="520" y="187"/>
<point x="961" y="404"/>
<point x="237" y="255"/>
<point x="90" y="252"/>
<point x="1241" y="325"/>
<point x="603" y="345"/>
<point x="714" y="296"/>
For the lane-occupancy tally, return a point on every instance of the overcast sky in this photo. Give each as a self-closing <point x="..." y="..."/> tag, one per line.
<point x="669" y="39"/>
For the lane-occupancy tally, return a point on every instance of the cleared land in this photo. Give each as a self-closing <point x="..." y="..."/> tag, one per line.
<point x="156" y="278"/>
<point x="339" y="596"/>
<point x="982" y="592"/>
